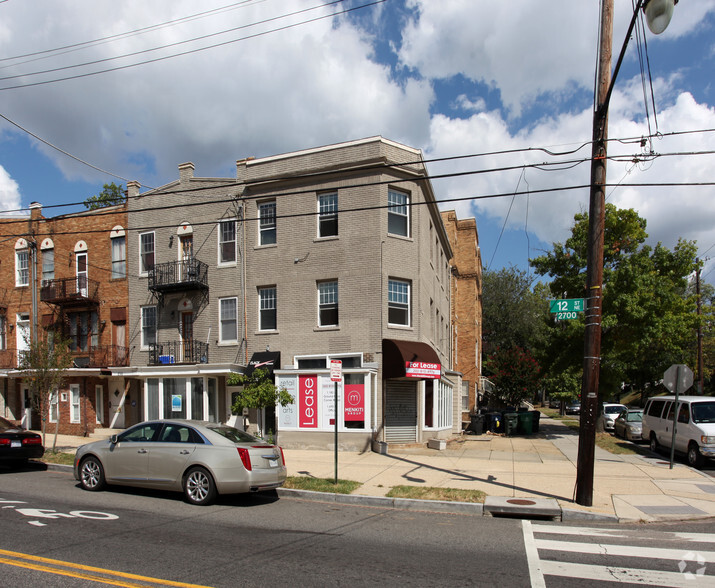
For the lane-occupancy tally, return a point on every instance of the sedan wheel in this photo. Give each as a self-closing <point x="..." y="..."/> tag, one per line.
<point x="199" y="487"/>
<point x="91" y="474"/>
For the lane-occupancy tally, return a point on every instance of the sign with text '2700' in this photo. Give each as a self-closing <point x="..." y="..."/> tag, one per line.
<point x="567" y="308"/>
<point x="421" y="369"/>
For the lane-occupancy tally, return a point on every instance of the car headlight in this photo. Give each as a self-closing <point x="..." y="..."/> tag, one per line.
<point x="707" y="440"/>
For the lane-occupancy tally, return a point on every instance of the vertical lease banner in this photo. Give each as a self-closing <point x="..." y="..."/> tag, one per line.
<point x="308" y="401"/>
<point x="354" y="402"/>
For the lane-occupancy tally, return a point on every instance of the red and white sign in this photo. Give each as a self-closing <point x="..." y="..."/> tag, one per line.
<point x="336" y="370"/>
<point x="308" y="402"/>
<point x="354" y="402"/>
<point x="421" y="369"/>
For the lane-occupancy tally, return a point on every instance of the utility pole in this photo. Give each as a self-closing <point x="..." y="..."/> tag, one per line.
<point x="594" y="277"/>
<point x="700" y="329"/>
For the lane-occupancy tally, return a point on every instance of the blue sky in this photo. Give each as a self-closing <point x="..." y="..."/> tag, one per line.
<point x="452" y="78"/>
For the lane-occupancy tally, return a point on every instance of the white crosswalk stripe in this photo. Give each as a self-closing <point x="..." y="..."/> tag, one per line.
<point x="673" y="559"/>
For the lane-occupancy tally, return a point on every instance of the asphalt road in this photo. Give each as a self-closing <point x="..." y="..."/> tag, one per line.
<point x="55" y="534"/>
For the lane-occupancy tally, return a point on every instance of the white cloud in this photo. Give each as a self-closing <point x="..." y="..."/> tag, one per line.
<point x="9" y="192"/>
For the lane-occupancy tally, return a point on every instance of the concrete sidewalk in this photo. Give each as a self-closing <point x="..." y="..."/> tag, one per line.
<point x="534" y="474"/>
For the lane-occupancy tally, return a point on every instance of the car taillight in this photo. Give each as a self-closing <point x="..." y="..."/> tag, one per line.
<point x="245" y="458"/>
<point x="4" y="441"/>
<point x="283" y="457"/>
<point x="32" y="441"/>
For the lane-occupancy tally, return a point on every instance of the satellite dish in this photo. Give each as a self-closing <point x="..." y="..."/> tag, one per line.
<point x="658" y="14"/>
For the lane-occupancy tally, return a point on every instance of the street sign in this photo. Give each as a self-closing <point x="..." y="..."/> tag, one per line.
<point x="678" y="378"/>
<point x="567" y="309"/>
<point x="336" y="371"/>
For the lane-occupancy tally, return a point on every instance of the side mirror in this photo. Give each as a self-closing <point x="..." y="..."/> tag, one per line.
<point x="113" y="439"/>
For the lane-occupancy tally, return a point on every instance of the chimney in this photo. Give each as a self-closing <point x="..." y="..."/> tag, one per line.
<point x="133" y="189"/>
<point x="186" y="172"/>
<point x="35" y="210"/>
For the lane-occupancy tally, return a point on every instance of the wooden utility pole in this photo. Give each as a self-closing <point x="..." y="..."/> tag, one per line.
<point x="596" y="224"/>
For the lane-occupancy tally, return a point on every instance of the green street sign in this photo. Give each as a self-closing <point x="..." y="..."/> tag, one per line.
<point x="567" y="309"/>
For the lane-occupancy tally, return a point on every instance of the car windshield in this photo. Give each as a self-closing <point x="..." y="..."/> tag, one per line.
<point x="634" y="417"/>
<point x="703" y="412"/>
<point x="234" y="435"/>
<point x="613" y="409"/>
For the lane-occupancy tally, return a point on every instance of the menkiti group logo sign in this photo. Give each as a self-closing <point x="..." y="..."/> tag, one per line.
<point x="354" y="402"/>
<point x="421" y="369"/>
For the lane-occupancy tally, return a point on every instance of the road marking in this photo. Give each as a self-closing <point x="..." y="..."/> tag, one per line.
<point x="615" y="574"/>
<point x="532" y="556"/>
<point x="619" y="550"/>
<point x="115" y="578"/>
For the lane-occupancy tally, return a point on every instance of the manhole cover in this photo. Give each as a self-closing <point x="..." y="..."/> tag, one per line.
<point x="520" y="501"/>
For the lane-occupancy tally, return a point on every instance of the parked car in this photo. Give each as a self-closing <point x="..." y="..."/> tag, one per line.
<point x="197" y="458"/>
<point x="695" y="430"/>
<point x="18" y="445"/>
<point x="629" y="424"/>
<point x="610" y="413"/>
<point x="573" y="408"/>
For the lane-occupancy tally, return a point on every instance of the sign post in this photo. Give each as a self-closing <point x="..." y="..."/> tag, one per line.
<point x="677" y="378"/>
<point x="336" y="374"/>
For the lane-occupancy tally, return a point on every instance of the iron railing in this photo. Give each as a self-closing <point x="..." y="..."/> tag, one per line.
<point x="179" y="275"/>
<point x="70" y="291"/>
<point x="170" y="352"/>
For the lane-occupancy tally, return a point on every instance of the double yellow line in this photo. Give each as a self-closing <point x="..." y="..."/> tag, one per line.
<point x="65" y="568"/>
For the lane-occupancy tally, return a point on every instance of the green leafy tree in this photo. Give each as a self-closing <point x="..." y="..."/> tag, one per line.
<point x="110" y="195"/>
<point x="515" y="374"/>
<point x="564" y="386"/>
<point x="648" y="317"/>
<point x="258" y="391"/>
<point x="44" y="366"/>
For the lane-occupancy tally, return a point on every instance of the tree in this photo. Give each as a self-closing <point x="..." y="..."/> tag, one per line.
<point x="648" y="317"/>
<point x="109" y="196"/>
<point x="515" y="373"/>
<point x="259" y="391"/>
<point x="563" y="385"/>
<point x="44" y="367"/>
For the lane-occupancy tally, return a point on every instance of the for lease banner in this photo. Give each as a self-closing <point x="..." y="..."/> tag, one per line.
<point x="308" y="401"/>
<point x="421" y="369"/>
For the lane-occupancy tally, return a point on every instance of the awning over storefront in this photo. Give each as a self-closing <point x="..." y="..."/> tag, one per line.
<point x="411" y="359"/>
<point x="267" y="360"/>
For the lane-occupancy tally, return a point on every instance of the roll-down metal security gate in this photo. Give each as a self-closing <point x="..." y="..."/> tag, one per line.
<point x="401" y="412"/>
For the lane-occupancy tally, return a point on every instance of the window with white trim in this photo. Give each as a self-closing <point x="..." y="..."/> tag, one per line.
<point x="119" y="257"/>
<point x="228" y="320"/>
<point x="48" y="265"/>
<point x="267" y="309"/>
<point x="146" y="252"/>
<point x="328" y="304"/>
<point x="74" y="403"/>
<point x="267" y="223"/>
<point x="22" y="267"/>
<point x="148" y="326"/>
<point x="328" y="214"/>
<point x="227" y="241"/>
<point x="398" y="213"/>
<point x="398" y="303"/>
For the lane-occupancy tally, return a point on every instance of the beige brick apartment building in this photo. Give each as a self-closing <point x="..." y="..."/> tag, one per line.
<point x="64" y="275"/>
<point x="332" y="253"/>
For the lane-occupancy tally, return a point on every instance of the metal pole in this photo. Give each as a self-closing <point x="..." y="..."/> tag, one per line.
<point x="675" y="415"/>
<point x="336" y="432"/>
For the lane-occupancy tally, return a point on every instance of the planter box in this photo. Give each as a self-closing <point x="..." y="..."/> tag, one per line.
<point x="439" y="444"/>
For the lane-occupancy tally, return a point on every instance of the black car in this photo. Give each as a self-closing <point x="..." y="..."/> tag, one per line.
<point x="18" y="445"/>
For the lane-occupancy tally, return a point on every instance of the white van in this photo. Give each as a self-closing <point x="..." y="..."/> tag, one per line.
<point x="695" y="430"/>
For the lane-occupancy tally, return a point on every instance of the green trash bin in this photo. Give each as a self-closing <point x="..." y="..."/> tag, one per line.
<point x="511" y="423"/>
<point x="526" y="423"/>
<point x="536" y="415"/>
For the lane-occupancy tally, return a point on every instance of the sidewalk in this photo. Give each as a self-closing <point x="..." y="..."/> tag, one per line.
<point x="537" y="472"/>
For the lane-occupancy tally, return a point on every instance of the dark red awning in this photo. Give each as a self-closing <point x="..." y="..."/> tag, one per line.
<point x="396" y="354"/>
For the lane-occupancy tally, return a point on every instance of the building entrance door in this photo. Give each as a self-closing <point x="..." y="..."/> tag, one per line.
<point x="400" y="411"/>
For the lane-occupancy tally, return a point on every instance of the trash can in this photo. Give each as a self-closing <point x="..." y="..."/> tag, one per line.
<point x="526" y="421"/>
<point x="536" y="414"/>
<point x="477" y="424"/>
<point x="511" y="423"/>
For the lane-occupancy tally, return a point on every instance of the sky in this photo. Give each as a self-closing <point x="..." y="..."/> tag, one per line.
<point x="99" y="91"/>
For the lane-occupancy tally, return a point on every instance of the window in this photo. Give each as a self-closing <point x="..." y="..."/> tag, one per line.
<point x="83" y="330"/>
<point x="398" y="303"/>
<point x="327" y="304"/>
<point x="3" y="327"/>
<point x="22" y="267"/>
<point x="146" y="252"/>
<point x="398" y="220"/>
<point x="148" y="326"/>
<point x="119" y="257"/>
<point x="48" y="265"/>
<point x="54" y="406"/>
<point x="267" y="223"/>
<point x="328" y="214"/>
<point x="267" y="309"/>
<point x="227" y="241"/>
<point x="228" y="320"/>
<point x="74" y="403"/>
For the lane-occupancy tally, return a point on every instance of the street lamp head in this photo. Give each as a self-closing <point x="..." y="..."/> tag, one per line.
<point x="658" y="14"/>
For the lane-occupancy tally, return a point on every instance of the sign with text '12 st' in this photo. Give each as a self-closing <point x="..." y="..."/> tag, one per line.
<point x="567" y="308"/>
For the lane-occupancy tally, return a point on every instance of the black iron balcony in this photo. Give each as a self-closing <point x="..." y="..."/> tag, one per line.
<point x="179" y="352"/>
<point x="187" y="274"/>
<point x="78" y="291"/>
<point x="101" y="356"/>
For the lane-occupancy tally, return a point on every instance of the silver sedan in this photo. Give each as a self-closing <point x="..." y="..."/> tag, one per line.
<point x="200" y="459"/>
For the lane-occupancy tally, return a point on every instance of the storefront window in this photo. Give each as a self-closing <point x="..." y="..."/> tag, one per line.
<point x="174" y="398"/>
<point x="152" y="395"/>
<point x="354" y="401"/>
